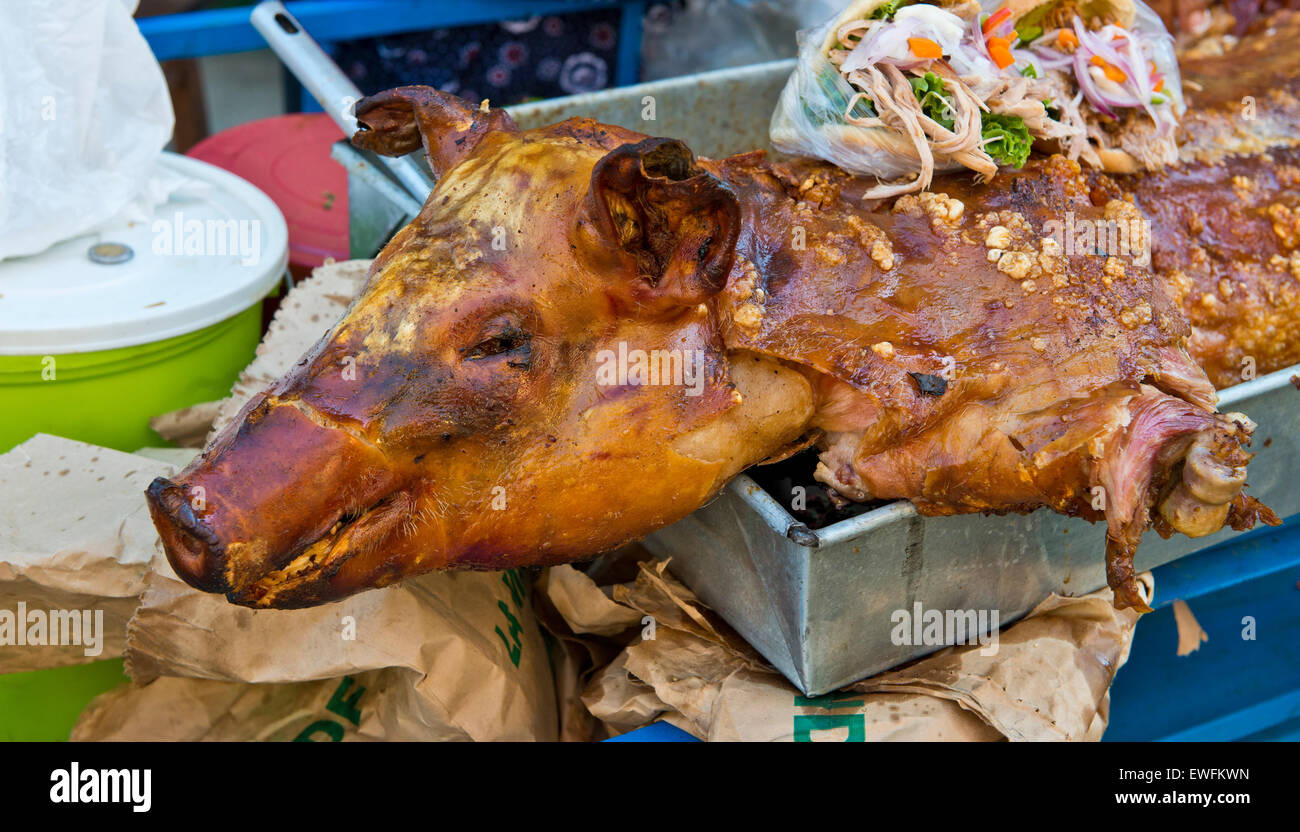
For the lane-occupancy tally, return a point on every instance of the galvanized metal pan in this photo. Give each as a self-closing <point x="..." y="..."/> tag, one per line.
<point x="819" y="604"/>
<point x="716" y="113"/>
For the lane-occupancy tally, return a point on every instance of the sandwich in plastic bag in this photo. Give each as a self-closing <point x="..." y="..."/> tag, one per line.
<point x="900" y="90"/>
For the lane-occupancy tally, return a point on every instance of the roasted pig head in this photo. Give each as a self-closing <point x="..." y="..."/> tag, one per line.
<point x="587" y="332"/>
<point x="473" y="406"/>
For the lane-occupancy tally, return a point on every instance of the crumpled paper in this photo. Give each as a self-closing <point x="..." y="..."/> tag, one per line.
<point x="572" y="614"/>
<point x="75" y="534"/>
<point x="447" y="656"/>
<point x="680" y="663"/>
<point x="84" y="116"/>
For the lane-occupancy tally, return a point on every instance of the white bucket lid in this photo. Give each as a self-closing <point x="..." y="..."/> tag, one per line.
<point x="60" y="301"/>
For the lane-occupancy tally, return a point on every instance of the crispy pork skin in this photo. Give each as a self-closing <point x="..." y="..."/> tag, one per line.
<point x="1065" y="379"/>
<point x="1225" y="222"/>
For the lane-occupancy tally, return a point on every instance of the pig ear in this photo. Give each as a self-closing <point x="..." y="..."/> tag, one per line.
<point x="399" y="121"/>
<point x="679" y="222"/>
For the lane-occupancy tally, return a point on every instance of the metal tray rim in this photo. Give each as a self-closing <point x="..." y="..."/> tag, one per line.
<point x="780" y="521"/>
<point x="699" y="79"/>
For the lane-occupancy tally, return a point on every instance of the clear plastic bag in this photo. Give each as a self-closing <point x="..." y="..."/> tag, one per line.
<point x="809" y="119"/>
<point x="1148" y="23"/>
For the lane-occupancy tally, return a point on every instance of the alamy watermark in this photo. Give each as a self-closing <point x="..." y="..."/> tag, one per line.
<point x="1105" y="238"/>
<point x="208" y="237"/>
<point x="52" y="628"/>
<point x="74" y="784"/>
<point x="681" y="368"/>
<point x="945" y="628"/>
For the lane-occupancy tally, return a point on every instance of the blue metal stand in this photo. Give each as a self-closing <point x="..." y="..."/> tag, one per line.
<point x="1244" y="683"/>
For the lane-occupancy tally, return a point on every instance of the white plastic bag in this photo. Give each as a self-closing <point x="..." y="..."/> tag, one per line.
<point x="84" y="115"/>
<point x="809" y="120"/>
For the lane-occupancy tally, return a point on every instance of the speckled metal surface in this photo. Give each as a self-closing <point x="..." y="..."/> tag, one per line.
<point x="715" y="113"/>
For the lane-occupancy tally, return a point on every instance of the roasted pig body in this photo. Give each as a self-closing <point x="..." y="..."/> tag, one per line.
<point x="587" y="332"/>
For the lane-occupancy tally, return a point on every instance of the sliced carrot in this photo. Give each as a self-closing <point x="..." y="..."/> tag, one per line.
<point x="1068" y="39"/>
<point x="1001" y="52"/>
<point x="924" y="48"/>
<point x="995" y="19"/>
<point x="1112" y="72"/>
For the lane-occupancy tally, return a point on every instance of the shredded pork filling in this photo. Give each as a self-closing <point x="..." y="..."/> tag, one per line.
<point x="897" y="108"/>
<point x="1081" y="133"/>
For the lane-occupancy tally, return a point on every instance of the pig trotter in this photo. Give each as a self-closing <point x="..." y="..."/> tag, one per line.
<point x="1122" y="578"/>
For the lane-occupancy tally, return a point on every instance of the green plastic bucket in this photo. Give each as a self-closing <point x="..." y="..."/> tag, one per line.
<point x="101" y="333"/>
<point x="108" y="397"/>
<point x="43" y="705"/>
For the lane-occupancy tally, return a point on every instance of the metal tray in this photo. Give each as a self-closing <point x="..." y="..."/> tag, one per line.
<point x="818" y="603"/>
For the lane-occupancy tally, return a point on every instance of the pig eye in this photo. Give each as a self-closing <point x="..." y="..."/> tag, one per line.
<point x="510" y="340"/>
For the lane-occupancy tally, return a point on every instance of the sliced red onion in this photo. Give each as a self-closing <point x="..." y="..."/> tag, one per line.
<point x="879" y="44"/>
<point x="1051" y="59"/>
<point x="1097" y="43"/>
<point x="1089" y="87"/>
<point x="1127" y="54"/>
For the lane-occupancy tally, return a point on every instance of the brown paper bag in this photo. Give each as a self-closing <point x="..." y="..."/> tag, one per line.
<point x="378" y="705"/>
<point x="1049" y="679"/>
<point x="75" y="537"/>
<point x="473" y="659"/>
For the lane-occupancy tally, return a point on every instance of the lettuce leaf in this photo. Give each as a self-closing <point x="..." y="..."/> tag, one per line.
<point x="932" y="95"/>
<point x="887" y="10"/>
<point x="1006" y="139"/>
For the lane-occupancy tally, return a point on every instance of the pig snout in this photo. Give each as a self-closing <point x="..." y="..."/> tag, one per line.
<point x="192" y="548"/>
<point x="272" y="485"/>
